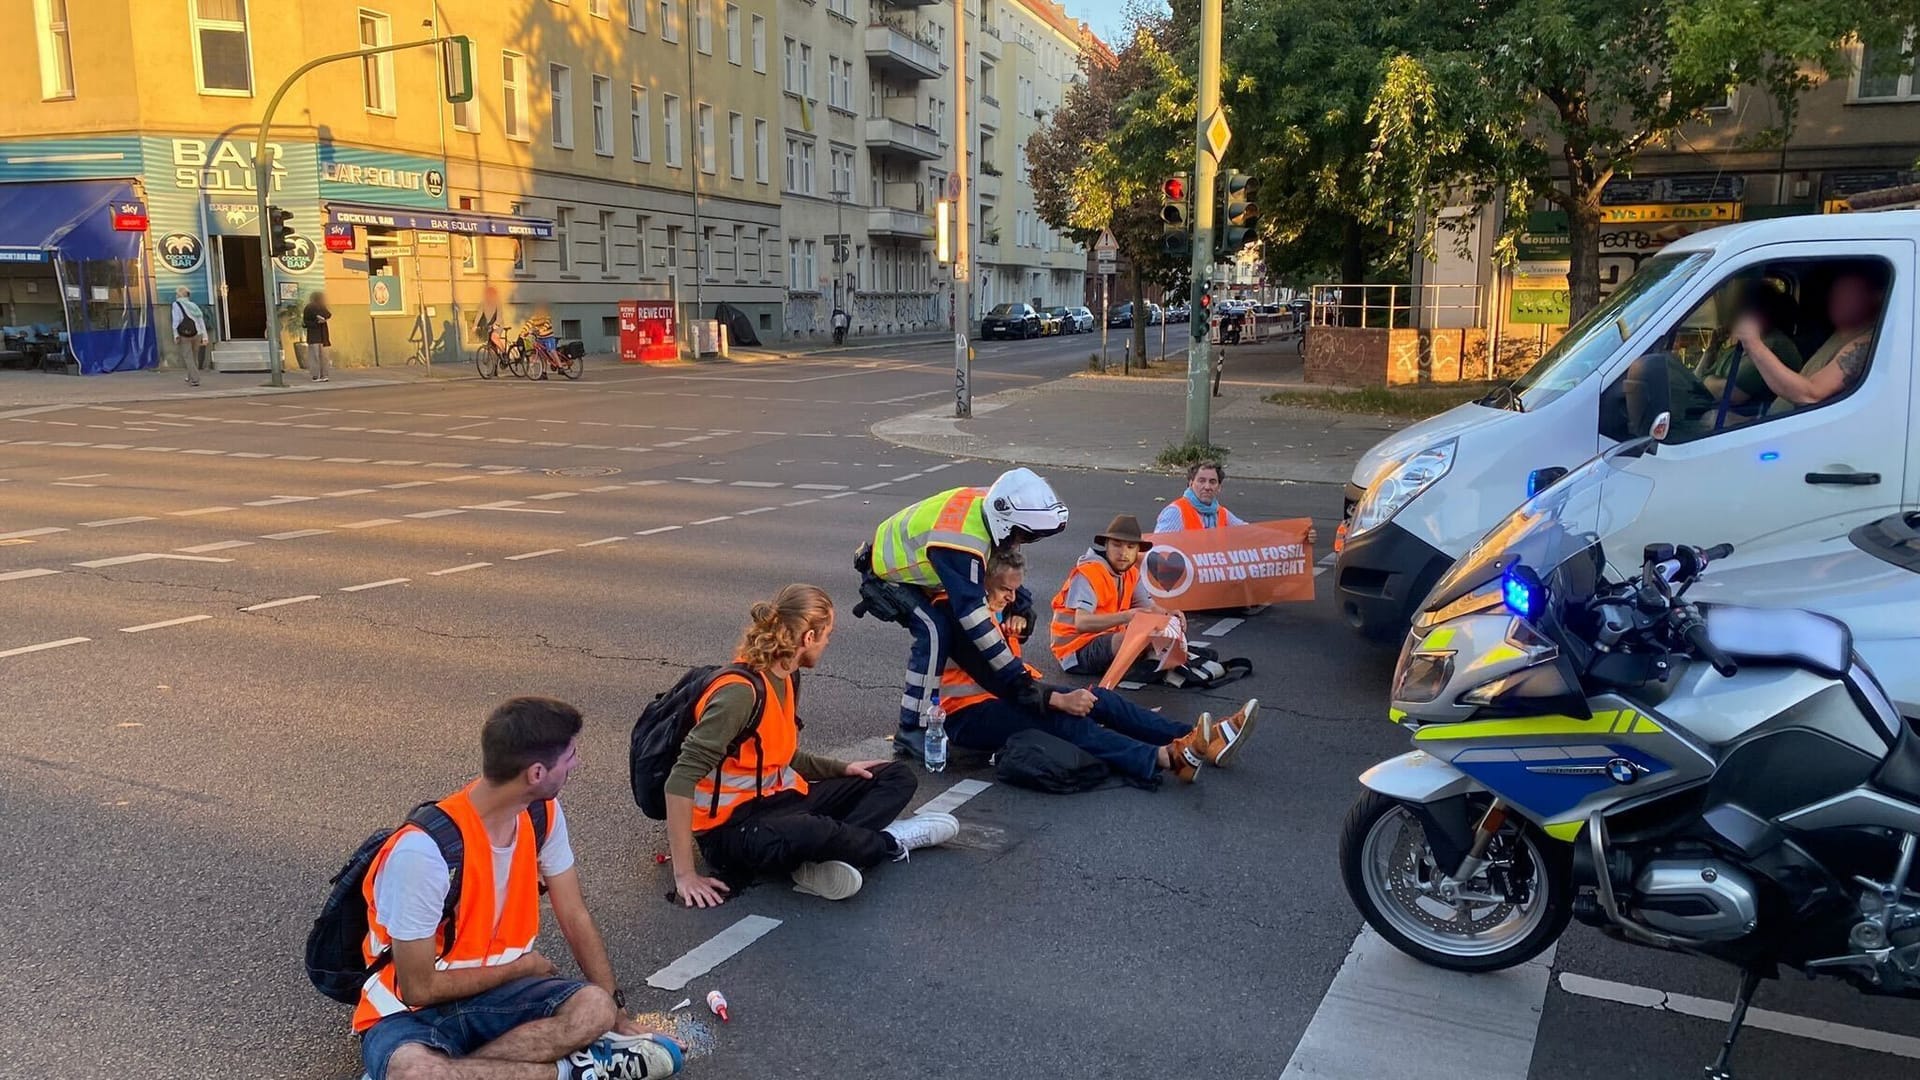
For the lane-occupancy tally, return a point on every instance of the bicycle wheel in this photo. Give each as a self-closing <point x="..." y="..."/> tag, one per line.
<point x="516" y="360"/>
<point x="573" y="367"/>
<point x="486" y="361"/>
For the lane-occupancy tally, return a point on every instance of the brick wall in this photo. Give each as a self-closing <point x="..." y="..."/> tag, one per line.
<point x="1360" y="356"/>
<point x="1347" y="356"/>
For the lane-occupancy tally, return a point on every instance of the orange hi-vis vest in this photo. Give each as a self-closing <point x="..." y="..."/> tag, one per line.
<point x="762" y="766"/>
<point x="1190" y="518"/>
<point x="478" y="941"/>
<point x="957" y="688"/>
<point x="1111" y="593"/>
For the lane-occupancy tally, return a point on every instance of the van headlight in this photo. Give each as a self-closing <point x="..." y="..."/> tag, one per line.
<point x="1399" y="486"/>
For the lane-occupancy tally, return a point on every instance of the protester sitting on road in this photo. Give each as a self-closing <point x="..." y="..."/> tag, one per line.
<point x="757" y="803"/>
<point x="1099" y="598"/>
<point x="1135" y="742"/>
<point x="472" y="997"/>
<point x="1854" y="300"/>
<point x="1198" y="507"/>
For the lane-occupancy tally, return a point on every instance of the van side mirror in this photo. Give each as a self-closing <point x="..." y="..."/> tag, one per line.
<point x="1662" y="426"/>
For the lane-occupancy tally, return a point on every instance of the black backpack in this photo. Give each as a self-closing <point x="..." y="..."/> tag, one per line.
<point x="335" y="964"/>
<point x="662" y="728"/>
<point x="1038" y="761"/>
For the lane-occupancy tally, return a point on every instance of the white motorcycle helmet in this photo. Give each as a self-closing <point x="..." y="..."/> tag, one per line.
<point x="1023" y="507"/>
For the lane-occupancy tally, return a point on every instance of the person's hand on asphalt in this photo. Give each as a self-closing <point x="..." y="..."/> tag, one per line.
<point x="1075" y="703"/>
<point x="700" y="892"/>
<point x="864" y="769"/>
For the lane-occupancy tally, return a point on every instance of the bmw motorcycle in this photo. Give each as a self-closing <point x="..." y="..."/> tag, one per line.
<point x="1590" y="744"/>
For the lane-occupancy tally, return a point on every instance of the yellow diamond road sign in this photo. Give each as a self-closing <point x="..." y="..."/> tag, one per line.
<point x="1218" y="135"/>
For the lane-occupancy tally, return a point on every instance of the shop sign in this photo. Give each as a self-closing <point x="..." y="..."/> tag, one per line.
<point x="349" y="172"/>
<point x="181" y="252"/>
<point x="384" y="296"/>
<point x="299" y="254"/>
<point x="222" y="165"/>
<point x="1658" y="212"/>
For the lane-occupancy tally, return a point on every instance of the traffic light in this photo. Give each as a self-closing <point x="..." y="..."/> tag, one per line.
<point x="1241" y="213"/>
<point x="280" y="231"/>
<point x="1176" y="217"/>
<point x="1202" y="317"/>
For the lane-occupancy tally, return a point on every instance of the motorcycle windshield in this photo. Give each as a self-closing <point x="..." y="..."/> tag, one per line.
<point x="1582" y="509"/>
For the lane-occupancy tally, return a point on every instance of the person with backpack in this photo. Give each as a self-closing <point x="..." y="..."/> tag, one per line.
<point x="756" y="803"/>
<point x="1137" y="743"/>
<point x="453" y="987"/>
<point x="190" y="337"/>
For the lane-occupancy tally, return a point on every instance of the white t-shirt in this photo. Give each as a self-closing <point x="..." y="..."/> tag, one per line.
<point x="410" y="891"/>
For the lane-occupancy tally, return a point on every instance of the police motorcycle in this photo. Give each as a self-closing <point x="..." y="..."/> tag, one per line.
<point x="1591" y="744"/>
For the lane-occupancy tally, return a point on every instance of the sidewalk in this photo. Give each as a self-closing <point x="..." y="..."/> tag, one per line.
<point x="768" y="353"/>
<point x="34" y="389"/>
<point x="1118" y="422"/>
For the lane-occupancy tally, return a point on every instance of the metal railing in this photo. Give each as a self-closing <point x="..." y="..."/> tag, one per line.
<point x="1397" y="307"/>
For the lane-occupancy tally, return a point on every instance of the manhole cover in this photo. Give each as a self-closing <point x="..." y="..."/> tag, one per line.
<point x="584" y="470"/>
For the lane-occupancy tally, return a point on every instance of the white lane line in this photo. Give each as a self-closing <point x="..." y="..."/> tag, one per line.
<point x="819" y="487"/>
<point x="371" y="523"/>
<point x="697" y="479"/>
<point x="282" y="500"/>
<point x="504" y="510"/>
<point x="22" y="575"/>
<point x="24" y="533"/>
<point x="69" y="483"/>
<point x="653" y="532"/>
<point x="937" y="468"/>
<point x="602" y="540"/>
<point x="345" y="493"/>
<point x="459" y="569"/>
<point x="500" y="505"/>
<point x="1222" y="627"/>
<point x="347" y="460"/>
<point x="840" y="495"/>
<point x="951" y="799"/>
<point x="42" y="647"/>
<point x="551" y="495"/>
<point x="1343" y="1039"/>
<point x="295" y="534"/>
<point x="1880" y="1042"/>
<point x="218" y="545"/>
<point x="407" y="484"/>
<point x="376" y="584"/>
<point x="1318" y="570"/>
<point x="198" y="511"/>
<point x="878" y="486"/>
<point x="711" y="520"/>
<point x="1328" y="559"/>
<point x="84" y="476"/>
<point x="710" y="953"/>
<point x="144" y="627"/>
<point x="146" y="556"/>
<point x="756" y="483"/>
<point x="424" y="514"/>
<point x="757" y="510"/>
<point x="607" y="487"/>
<point x="283" y="602"/>
<point x="463" y="427"/>
<point x="112" y="521"/>
<point x="802" y="502"/>
<point x="249" y="454"/>
<point x="645" y="483"/>
<point x="533" y="554"/>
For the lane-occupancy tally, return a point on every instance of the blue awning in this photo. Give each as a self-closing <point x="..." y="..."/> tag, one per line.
<point x="73" y="217"/>
<point x="465" y="222"/>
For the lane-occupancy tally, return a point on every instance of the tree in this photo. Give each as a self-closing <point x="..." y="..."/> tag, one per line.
<point x="1529" y="99"/>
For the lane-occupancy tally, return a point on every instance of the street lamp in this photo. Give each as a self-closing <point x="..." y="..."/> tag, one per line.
<point x="839" y="243"/>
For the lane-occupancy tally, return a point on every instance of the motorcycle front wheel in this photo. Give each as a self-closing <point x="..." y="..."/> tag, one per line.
<point x="1506" y="916"/>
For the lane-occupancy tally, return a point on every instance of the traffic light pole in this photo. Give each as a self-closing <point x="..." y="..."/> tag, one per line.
<point x="1205" y="167"/>
<point x="962" y="219"/>
<point x="263" y="182"/>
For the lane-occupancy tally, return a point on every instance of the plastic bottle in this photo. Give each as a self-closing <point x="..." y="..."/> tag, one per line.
<point x="717" y="1002"/>
<point x="933" y="722"/>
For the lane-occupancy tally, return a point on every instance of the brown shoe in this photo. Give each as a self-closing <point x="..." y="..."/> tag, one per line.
<point x="1185" y="756"/>
<point x="1224" y="736"/>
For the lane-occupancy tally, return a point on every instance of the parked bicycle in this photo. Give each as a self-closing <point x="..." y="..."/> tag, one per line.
<point x="498" y="352"/>
<point x="543" y="354"/>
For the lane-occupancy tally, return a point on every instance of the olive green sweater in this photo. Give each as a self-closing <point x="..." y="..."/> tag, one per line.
<point x="727" y="714"/>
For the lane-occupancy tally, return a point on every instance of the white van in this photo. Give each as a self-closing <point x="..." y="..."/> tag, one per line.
<point x="1745" y="463"/>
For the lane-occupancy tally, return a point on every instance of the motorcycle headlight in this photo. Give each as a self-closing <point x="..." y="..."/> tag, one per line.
<point x="1423" y="676"/>
<point x="1399" y="486"/>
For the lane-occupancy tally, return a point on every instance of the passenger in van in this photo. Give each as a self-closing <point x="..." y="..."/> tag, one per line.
<point x="1766" y="304"/>
<point x="1854" y="300"/>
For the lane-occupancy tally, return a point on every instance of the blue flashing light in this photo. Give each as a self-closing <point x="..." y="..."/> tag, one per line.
<point x="1769" y="455"/>
<point x="1523" y="593"/>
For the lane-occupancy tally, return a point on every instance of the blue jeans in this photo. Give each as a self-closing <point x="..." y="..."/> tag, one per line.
<point x="1118" y="732"/>
<point x="458" y="1028"/>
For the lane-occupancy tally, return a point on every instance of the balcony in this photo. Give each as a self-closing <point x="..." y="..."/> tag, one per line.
<point x="906" y="3"/>
<point x="897" y="53"/>
<point x="987" y="42"/>
<point x="886" y="135"/>
<point x="987" y="112"/>
<point x="987" y="186"/>
<point x="899" y="224"/>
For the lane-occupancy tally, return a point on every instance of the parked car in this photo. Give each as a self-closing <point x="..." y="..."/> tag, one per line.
<point x="1011" y="321"/>
<point x="1121" y="315"/>
<point x="1051" y="321"/>
<point x="1064" y="316"/>
<point x="1156" y="314"/>
<point x="1178" y="313"/>
<point x="1082" y="320"/>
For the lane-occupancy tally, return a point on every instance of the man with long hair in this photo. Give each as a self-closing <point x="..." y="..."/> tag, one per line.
<point x="757" y="803"/>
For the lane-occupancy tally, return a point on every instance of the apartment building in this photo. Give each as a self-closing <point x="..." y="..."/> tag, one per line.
<point x="779" y="156"/>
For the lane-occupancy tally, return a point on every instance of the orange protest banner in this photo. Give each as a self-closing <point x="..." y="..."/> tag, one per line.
<point x="1239" y="566"/>
<point x="1165" y="633"/>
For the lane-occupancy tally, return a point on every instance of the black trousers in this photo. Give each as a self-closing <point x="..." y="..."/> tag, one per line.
<point x="839" y="819"/>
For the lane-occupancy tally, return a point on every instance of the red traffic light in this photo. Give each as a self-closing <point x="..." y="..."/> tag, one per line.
<point x="1175" y="188"/>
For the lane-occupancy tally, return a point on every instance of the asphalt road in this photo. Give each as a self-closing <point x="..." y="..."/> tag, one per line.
<point x="241" y="634"/>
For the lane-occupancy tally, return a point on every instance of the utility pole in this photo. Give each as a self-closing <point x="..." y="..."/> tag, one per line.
<point x="1210" y="141"/>
<point x="962" y="188"/>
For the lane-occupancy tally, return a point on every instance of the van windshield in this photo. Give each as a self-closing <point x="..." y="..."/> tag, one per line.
<point x="1593" y="339"/>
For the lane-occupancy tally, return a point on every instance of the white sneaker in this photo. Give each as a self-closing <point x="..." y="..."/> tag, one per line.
<point x="833" y="880"/>
<point x="922" y="830"/>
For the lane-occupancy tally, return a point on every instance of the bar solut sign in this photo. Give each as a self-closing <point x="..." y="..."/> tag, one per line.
<point x="1205" y="569"/>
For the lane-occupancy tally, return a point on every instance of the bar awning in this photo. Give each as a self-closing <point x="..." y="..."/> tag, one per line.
<point x="463" y="222"/>
<point x="74" y="217"/>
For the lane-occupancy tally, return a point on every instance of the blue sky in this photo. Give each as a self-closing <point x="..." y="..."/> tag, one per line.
<point x="1105" y="16"/>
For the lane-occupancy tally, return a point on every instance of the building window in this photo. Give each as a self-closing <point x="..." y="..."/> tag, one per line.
<point x="560" y="89"/>
<point x="842" y="166"/>
<point x="513" y="93"/>
<point x="642" y="228"/>
<point x="1884" y="74"/>
<point x="790" y="66"/>
<point x="519" y="246"/>
<point x="642" y="123"/>
<point x="737" y="146"/>
<point x="223" y="60"/>
<point x="806" y="71"/>
<point x="708" y="152"/>
<point x="842" y="8"/>
<point x="703" y="25"/>
<point x="376" y="72"/>
<point x="469" y="254"/>
<point x="606" y="242"/>
<point x="846" y="86"/>
<point x="760" y="252"/>
<point x="563" y="238"/>
<point x="793" y="264"/>
<point x="706" y="252"/>
<point x="733" y="34"/>
<point x="739" y="253"/>
<point x="671" y="114"/>
<point x="760" y="44"/>
<point x="603" y="115"/>
<point x="597" y="8"/>
<point x="673" y="252"/>
<point x="669" y="25"/>
<point x="811" y="267"/>
<point x="760" y="151"/>
<point x="833" y="82"/>
<point x="466" y="114"/>
<point x="637" y="14"/>
<point x="799" y="167"/>
<point x="56" y="49"/>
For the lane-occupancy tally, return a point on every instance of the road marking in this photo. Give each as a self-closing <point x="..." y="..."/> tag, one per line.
<point x="697" y="479"/>
<point x="282" y="602"/>
<point x="463" y="427"/>
<point x="819" y="487"/>
<point x="876" y="487"/>
<point x="1222" y="627"/>
<point x="951" y="799"/>
<point x="802" y="502"/>
<point x="1379" y="980"/>
<point x="551" y="495"/>
<point x="839" y="494"/>
<point x="112" y="521"/>
<point x="757" y="510"/>
<point x="69" y="483"/>
<point x="407" y="484"/>
<point x="502" y="509"/>
<point x="42" y="647"/>
<point x="652" y="532"/>
<point x="218" y="545"/>
<point x="295" y="534"/>
<point x="345" y="493"/>
<point x="376" y="584"/>
<point x="22" y="575"/>
<point x="145" y="556"/>
<point x="24" y="533"/>
<point x="1880" y="1042"/>
<point x="533" y="554"/>
<point x="711" y="520"/>
<point x="459" y="569"/>
<point x="198" y="511"/>
<point x="144" y="627"/>
<point x="710" y="953"/>
<point x="249" y="454"/>
<point x="435" y="513"/>
<point x="347" y="460"/>
<point x="1318" y="570"/>
<point x="756" y="483"/>
<point x="371" y="523"/>
<point x="603" y="540"/>
<point x="84" y="476"/>
<point x="282" y="500"/>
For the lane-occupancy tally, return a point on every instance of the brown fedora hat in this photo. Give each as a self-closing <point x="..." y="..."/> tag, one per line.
<point x="1126" y="528"/>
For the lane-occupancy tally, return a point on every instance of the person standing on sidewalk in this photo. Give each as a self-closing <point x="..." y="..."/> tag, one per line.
<point x="758" y="804"/>
<point x="319" y="337"/>
<point x="190" y="337"/>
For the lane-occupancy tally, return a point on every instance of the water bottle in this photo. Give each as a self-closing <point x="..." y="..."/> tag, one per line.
<point x="933" y="723"/>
